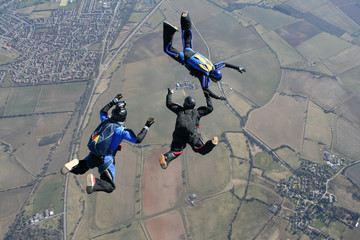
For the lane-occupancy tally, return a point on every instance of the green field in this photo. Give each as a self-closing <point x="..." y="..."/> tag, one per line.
<point x="312" y="151"/>
<point x="4" y="94"/>
<point x="22" y="100"/>
<point x="236" y="101"/>
<point x="344" y="60"/>
<point x="289" y="157"/>
<point x="201" y="221"/>
<point x="336" y="17"/>
<point x="263" y="194"/>
<point x="273" y="170"/>
<point x="132" y="231"/>
<point x="321" y="46"/>
<point x="284" y="52"/>
<point x="269" y="18"/>
<point x="156" y="19"/>
<point x="208" y="174"/>
<point x="10" y="169"/>
<point x="137" y="16"/>
<point x="49" y="195"/>
<point x="318" y="134"/>
<point x="283" y="128"/>
<point x="351" y="79"/>
<point x="238" y="143"/>
<point x="9" y="207"/>
<point x="60" y="97"/>
<point x="354" y="174"/>
<point x="42" y="14"/>
<point x="252" y="216"/>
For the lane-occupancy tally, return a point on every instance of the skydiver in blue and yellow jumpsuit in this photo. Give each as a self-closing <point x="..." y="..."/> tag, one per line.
<point x="198" y="65"/>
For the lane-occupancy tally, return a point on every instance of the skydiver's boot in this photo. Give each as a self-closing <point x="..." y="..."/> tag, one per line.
<point x="90" y="183"/>
<point x="215" y="141"/>
<point x="163" y="162"/>
<point x="185" y="21"/>
<point x="209" y="145"/>
<point x="69" y="166"/>
<point x="168" y="33"/>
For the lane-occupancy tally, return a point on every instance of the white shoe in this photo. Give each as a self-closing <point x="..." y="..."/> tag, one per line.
<point x="90" y="183"/>
<point x="171" y="26"/>
<point x="69" y="166"/>
<point x="215" y="141"/>
<point x="184" y="14"/>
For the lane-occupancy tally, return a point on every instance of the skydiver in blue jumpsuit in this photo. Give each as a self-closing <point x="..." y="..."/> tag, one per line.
<point x="198" y="65"/>
<point x="106" y="162"/>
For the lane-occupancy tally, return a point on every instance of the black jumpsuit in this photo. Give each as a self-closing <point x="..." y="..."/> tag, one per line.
<point x="196" y="142"/>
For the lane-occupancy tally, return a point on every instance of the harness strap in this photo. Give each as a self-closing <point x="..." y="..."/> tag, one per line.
<point x="103" y="167"/>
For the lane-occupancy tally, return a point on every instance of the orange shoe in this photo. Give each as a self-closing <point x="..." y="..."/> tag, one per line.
<point x="215" y="141"/>
<point x="163" y="162"/>
<point x="90" y="183"/>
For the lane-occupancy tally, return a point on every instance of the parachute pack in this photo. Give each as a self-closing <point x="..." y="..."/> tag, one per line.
<point x="186" y="123"/>
<point x="100" y="139"/>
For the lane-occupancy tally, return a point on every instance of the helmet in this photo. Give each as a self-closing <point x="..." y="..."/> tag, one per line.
<point x="215" y="75"/>
<point x="189" y="103"/>
<point x="119" y="114"/>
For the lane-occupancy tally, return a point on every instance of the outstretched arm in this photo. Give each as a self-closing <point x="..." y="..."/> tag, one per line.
<point x="212" y="94"/>
<point x="221" y="65"/>
<point x="140" y="137"/>
<point x="174" y="107"/>
<point x="203" y="111"/>
<point x="106" y="108"/>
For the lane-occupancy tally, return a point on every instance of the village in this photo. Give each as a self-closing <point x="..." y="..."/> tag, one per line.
<point x="61" y="48"/>
<point x="310" y="198"/>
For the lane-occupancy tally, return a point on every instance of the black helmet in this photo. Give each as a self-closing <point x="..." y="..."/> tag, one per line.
<point x="119" y="114"/>
<point x="189" y="103"/>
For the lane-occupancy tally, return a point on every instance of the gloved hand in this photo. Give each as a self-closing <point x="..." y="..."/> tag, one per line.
<point x="149" y="122"/>
<point x="222" y="98"/>
<point x="170" y="91"/>
<point x="117" y="98"/>
<point x="241" y="69"/>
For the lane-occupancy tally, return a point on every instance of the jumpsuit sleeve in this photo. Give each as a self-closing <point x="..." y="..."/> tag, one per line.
<point x="221" y="65"/>
<point x="130" y="136"/>
<point x="205" y="110"/>
<point x="174" y="107"/>
<point x="104" y="111"/>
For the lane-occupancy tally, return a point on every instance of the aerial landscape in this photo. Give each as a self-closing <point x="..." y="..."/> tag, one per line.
<point x="287" y="165"/>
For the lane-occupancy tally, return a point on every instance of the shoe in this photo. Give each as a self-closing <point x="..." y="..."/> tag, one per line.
<point x="90" y="183"/>
<point x="170" y="26"/>
<point x="163" y="162"/>
<point x="69" y="166"/>
<point x="215" y="141"/>
<point x="184" y="14"/>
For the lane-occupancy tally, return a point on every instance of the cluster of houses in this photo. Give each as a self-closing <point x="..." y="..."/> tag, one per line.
<point x="187" y="84"/>
<point x="42" y="215"/>
<point x="332" y="160"/>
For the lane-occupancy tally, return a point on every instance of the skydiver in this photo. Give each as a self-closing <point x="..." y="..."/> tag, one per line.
<point x="103" y="145"/>
<point x="187" y="128"/>
<point x="198" y="65"/>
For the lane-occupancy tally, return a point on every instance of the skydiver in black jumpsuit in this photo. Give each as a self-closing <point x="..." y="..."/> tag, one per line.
<point x="191" y="134"/>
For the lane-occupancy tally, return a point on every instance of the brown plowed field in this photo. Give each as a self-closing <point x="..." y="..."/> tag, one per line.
<point x="161" y="188"/>
<point x="167" y="226"/>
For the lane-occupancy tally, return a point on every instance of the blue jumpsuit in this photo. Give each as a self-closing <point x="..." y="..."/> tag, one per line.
<point x="198" y="65"/>
<point x="106" y="164"/>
